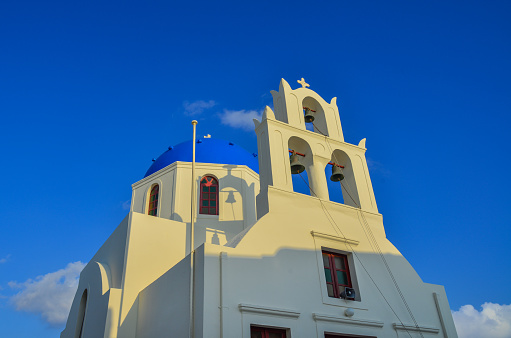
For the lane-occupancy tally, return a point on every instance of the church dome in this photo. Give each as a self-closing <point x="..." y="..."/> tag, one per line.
<point x="207" y="150"/>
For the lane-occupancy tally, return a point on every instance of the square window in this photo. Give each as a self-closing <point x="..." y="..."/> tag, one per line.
<point x="337" y="273"/>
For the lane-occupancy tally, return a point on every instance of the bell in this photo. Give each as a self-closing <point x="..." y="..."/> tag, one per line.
<point x="337" y="175"/>
<point x="309" y="117"/>
<point x="296" y="166"/>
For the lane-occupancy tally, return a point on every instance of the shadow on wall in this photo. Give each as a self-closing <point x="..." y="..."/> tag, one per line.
<point x="237" y="210"/>
<point x="306" y="267"/>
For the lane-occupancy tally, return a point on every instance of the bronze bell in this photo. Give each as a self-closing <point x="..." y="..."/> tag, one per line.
<point x="296" y="166"/>
<point x="309" y="117"/>
<point x="337" y="175"/>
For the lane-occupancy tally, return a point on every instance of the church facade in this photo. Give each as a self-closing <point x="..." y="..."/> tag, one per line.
<point x="264" y="261"/>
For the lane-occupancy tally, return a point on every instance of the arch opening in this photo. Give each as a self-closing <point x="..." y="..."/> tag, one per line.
<point x="334" y="188"/>
<point x="345" y="191"/>
<point x="81" y="315"/>
<point x="316" y="110"/>
<point x="301" y="181"/>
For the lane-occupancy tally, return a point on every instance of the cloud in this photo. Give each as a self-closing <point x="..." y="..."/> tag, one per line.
<point x="5" y="259"/>
<point x="50" y="295"/>
<point x="126" y="205"/>
<point x="494" y="320"/>
<point x="197" y="107"/>
<point x="375" y="166"/>
<point x="240" y="118"/>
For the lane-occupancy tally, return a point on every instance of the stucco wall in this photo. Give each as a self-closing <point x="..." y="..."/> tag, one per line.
<point x="277" y="267"/>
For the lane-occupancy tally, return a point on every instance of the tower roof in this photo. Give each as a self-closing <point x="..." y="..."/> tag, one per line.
<point x="207" y="150"/>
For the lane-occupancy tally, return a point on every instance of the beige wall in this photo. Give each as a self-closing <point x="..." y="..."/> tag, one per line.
<point x="277" y="267"/>
<point x="238" y="186"/>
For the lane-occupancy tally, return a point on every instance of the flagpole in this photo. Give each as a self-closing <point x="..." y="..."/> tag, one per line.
<point x="192" y="234"/>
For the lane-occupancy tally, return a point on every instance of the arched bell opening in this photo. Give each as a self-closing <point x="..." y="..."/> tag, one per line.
<point x="341" y="180"/>
<point x="314" y="116"/>
<point x="334" y="187"/>
<point x="300" y="159"/>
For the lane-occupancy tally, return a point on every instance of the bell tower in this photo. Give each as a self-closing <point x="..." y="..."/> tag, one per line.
<point x="285" y="131"/>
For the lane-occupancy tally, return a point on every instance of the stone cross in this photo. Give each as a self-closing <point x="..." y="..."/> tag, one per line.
<point x="303" y="83"/>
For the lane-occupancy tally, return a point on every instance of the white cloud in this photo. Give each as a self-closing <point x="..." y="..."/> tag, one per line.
<point x="126" y="205"/>
<point x="5" y="259"/>
<point x="494" y="320"/>
<point x="240" y="118"/>
<point x="197" y="107"/>
<point x="375" y="166"/>
<point x="49" y="295"/>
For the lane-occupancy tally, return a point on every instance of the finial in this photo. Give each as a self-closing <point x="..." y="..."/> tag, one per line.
<point x="303" y="83"/>
<point x="207" y="136"/>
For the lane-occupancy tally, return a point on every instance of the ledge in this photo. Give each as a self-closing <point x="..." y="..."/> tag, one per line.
<point x="326" y="202"/>
<point x="268" y="310"/>
<point x="334" y="238"/>
<point x="408" y="327"/>
<point x="345" y="320"/>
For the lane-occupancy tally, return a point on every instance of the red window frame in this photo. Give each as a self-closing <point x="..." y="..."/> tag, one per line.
<point x="208" y="204"/>
<point x="264" y="332"/>
<point x="153" y="201"/>
<point x="337" y="273"/>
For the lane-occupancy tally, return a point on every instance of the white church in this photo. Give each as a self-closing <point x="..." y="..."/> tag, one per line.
<point x="217" y="243"/>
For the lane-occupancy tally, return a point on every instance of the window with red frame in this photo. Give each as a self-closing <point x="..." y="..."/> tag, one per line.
<point x="208" y="196"/>
<point x="153" y="201"/>
<point x="266" y="332"/>
<point x="337" y="273"/>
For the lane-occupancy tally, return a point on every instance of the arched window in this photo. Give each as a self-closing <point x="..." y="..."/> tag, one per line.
<point x="208" y="196"/>
<point x="153" y="201"/>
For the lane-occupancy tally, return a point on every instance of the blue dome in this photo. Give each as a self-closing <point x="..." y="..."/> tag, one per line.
<point x="207" y="150"/>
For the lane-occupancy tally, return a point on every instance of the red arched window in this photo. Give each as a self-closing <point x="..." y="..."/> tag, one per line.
<point x="208" y="196"/>
<point x="153" y="201"/>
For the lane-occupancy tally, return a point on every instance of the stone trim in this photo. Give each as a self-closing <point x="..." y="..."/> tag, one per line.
<point x="268" y="310"/>
<point x="345" y="320"/>
<point x="334" y="238"/>
<point x="408" y="327"/>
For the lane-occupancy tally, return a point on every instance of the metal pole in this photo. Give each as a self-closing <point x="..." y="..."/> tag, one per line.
<point x="194" y="123"/>
<point x="192" y="234"/>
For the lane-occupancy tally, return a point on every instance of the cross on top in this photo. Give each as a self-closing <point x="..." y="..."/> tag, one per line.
<point x="303" y="83"/>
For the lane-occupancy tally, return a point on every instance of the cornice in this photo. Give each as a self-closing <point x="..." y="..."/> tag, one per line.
<point x="314" y="135"/>
<point x="345" y="320"/>
<point x="268" y="310"/>
<point x="409" y="327"/>
<point x="334" y="238"/>
<point x="199" y="165"/>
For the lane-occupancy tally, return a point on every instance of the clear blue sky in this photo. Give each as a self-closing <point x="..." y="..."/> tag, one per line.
<point x="91" y="91"/>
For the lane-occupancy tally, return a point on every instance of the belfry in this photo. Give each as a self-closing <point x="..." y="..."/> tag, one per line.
<point x="256" y="258"/>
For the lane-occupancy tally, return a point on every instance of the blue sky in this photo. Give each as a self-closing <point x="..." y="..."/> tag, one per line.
<point x="91" y="91"/>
